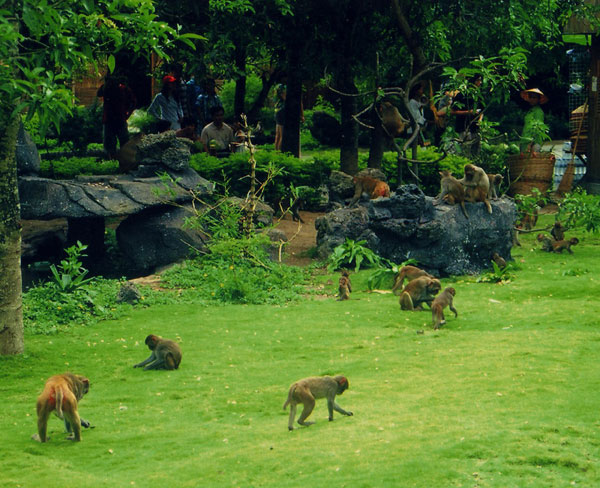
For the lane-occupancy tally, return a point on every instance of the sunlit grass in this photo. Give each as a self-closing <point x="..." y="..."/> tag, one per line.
<point x="506" y="395"/>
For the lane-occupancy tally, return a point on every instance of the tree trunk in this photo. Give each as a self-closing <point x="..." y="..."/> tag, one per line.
<point x="267" y="84"/>
<point x="378" y="139"/>
<point x="349" y="136"/>
<point x="412" y="40"/>
<point x="11" y="313"/>
<point x="240" y="82"/>
<point x="293" y="102"/>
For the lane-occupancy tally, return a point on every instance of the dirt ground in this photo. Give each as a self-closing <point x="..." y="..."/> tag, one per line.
<point x="301" y="238"/>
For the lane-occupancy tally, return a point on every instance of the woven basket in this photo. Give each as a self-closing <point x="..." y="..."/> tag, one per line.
<point x="528" y="172"/>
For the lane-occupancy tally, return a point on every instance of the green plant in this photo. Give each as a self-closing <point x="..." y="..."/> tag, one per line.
<point x="82" y="126"/>
<point x="68" y="168"/>
<point x="70" y="274"/>
<point x="384" y="275"/>
<point x="497" y="275"/>
<point x="580" y="209"/>
<point x="529" y="205"/>
<point x="352" y="252"/>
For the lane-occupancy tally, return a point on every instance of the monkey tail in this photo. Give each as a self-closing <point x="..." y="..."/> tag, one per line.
<point x="289" y="398"/>
<point x="58" y="398"/>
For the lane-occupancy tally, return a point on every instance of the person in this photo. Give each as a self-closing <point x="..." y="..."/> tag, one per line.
<point x="441" y="112"/>
<point x="217" y="136"/>
<point x="533" y="127"/>
<point x="119" y="103"/>
<point x="166" y="107"/>
<point x="467" y="118"/>
<point x="279" y="114"/>
<point x="417" y="100"/>
<point x="206" y="101"/>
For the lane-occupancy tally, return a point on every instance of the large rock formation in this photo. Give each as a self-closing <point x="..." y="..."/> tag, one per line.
<point x="409" y="225"/>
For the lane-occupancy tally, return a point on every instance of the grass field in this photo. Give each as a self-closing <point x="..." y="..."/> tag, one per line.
<point x="506" y="395"/>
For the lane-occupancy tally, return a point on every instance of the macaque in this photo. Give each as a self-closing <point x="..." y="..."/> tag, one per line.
<point x="345" y="286"/>
<point x="452" y="191"/>
<point x="477" y="185"/>
<point x="529" y="220"/>
<point x="442" y="301"/>
<point x="545" y="242"/>
<point x="495" y="182"/>
<point x="410" y="273"/>
<point x="559" y="246"/>
<point x="499" y="260"/>
<point x="307" y="390"/>
<point x="418" y="291"/>
<point x="127" y="154"/>
<point x="392" y="120"/>
<point x="165" y="354"/>
<point x="558" y="231"/>
<point x="374" y="187"/>
<point x="60" y="395"/>
<point x="294" y="208"/>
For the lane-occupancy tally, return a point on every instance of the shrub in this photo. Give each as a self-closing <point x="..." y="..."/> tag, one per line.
<point x="70" y="167"/>
<point x="83" y="126"/>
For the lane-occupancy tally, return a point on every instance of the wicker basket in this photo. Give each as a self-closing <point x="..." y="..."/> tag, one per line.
<point x="527" y="172"/>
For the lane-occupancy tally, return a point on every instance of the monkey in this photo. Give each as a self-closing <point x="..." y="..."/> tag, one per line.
<point x="499" y="260"/>
<point x="418" y="291"/>
<point x="374" y="187"/>
<point x="345" y="286"/>
<point x="307" y="390"/>
<point x="546" y="242"/>
<point x="558" y="231"/>
<point x="528" y="220"/>
<point x="477" y="185"/>
<point x="495" y="182"/>
<point x="452" y="191"/>
<point x="440" y="302"/>
<point x="410" y="273"/>
<point x="127" y="154"/>
<point x="61" y="394"/>
<point x="165" y="354"/>
<point x="392" y="120"/>
<point x="559" y="246"/>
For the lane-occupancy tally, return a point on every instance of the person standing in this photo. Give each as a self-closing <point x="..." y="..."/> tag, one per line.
<point x="166" y="107"/>
<point x="534" y="127"/>
<point x="119" y="103"/>
<point x="279" y="114"/>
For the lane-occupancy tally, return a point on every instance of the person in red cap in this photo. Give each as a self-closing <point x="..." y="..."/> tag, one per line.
<point x="166" y="107"/>
<point x="534" y="128"/>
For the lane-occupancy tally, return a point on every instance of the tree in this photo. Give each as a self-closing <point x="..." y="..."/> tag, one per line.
<point x="41" y="45"/>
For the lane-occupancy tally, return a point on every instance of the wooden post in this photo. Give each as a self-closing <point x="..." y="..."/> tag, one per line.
<point x="592" y="177"/>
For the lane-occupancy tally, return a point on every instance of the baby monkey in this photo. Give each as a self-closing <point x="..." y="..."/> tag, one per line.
<point x="345" y="286"/>
<point x="307" y="390"/>
<point x="559" y="246"/>
<point x="440" y="302"/>
<point x="165" y="354"/>
<point x="545" y="242"/>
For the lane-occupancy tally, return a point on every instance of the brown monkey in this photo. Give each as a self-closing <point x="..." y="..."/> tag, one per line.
<point x="127" y="155"/>
<point x="452" y="191"/>
<point x="529" y="220"/>
<point x="477" y="185"/>
<point x="60" y="395"/>
<point x="374" y="187"/>
<point x="166" y="354"/>
<point x="345" y="286"/>
<point x="307" y="390"/>
<point x="392" y="120"/>
<point x="442" y="301"/>
<point x="418" y="291"/>
<point x="495" y="182"/>
<point x="558" y="231"/>
<point x="499" y="260"/>
<point x="559" y="246"/>
<point x="545" y="241"/>
<point x="410" y="273"/>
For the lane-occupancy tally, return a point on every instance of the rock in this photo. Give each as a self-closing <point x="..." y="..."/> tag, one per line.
<point x="409" y="225"/>
<point x="373" y="173"/>
<point x="156" y="237"/>
<point x="341" y="186"/>
<point x="164" y="149"/>
<point x="27" y="155"/>
<point x="128" y="293"/>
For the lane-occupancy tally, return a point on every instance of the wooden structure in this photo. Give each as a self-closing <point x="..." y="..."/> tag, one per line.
<point x="576" y="25"/>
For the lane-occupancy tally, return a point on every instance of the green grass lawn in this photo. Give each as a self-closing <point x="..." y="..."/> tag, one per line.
<point x="506" y="395"/>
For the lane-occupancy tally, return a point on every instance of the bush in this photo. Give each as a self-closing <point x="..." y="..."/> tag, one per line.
<point x="227" y="94"/>
<point x="70" y="167"/>
<point x="82" y="127"/>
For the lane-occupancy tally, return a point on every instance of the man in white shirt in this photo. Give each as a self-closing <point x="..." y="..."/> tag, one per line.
<point x="217" y="136"/>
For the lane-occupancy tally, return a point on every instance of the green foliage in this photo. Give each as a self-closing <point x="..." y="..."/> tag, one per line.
<point x="530" y="204"/>
<point x="291" y="171"/>
<point x="68" y="168"/>
<point x="227" y="94"/>
<point x="578" y="209"/>
<point x="141" y="121"/>
<point x="70" y="273"/>
<point x="497" y="275"/>
<point x="81" y="127"/>
<point x="350" y="252"/>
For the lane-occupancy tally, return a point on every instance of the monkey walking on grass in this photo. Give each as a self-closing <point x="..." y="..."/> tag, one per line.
<point x="307" y="390"/>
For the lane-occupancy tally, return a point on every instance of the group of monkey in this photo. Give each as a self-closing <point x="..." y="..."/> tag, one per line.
<point x="557" y="243"/>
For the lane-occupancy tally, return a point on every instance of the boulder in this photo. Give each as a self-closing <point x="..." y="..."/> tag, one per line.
<point x="164" y="149"/>
<point x="157" y="237"/>
<point x="411" y="225"/>
<point x="128" y="293"/>
<point x="340" y="186"/>
<point x="27" y="155"/>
